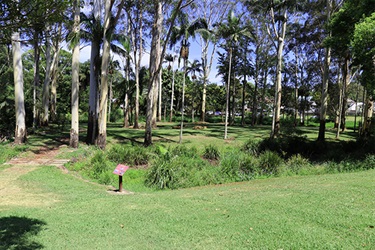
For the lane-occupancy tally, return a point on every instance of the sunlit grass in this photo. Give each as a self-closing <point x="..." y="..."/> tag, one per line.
<point x="310" y="212"/>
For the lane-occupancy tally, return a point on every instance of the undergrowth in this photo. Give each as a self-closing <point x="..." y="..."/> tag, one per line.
<point x="176" y="167"/>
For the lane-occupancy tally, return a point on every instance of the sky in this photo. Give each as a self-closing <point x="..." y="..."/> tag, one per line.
<point x="194" y="54"/>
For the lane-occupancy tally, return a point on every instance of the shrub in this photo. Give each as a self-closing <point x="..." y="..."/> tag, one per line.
<point x="100" y="168"/>
<point x="211" y="153"/>
<point x="270" y="163"/>
<point x="173" y="171"/>
<point x="132" y="155"/>
<point x="238" y="166"/>
<point x="297" y="164"/>
<point x="251" y="147"/>
<point x="182" y="150"/>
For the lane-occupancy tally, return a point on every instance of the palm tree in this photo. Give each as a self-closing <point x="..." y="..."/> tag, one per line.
<point x="171" y="58"/>
<point x="192" y="69"/>
<point x="182" y="34"/>
<point x="231" y="31"/>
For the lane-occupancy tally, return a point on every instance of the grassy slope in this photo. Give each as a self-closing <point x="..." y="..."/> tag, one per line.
<point x="311" y="212"/>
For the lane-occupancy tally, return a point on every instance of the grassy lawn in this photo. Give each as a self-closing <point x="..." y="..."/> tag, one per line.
<point x="60" y="211"/>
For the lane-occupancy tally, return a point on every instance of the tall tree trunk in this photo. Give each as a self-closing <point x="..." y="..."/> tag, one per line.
<point x="20" y="131"/>
<point x="126" y="99"/>
<point x="137" y="69"/>
<point x="108" y="23"/>
<point x="368" y="112"/>
<point x="227" y="96"/>
<point x="207" y="65"/>
<point x="243" y="101"/>
<point x="172" y="94"/>
<point x="346" y="79"/>
<point x="280" y="47"/>
<point x="254" y="109"/>
<point x="102" y="122"/>
<point x="47" y="79"/>
<point x="183" y="101"/>
<point x="92" y="126"/>
<point x="36" y="78"/>
<point x="54" y="67"/>
<point x="155" y="55"/>
<point x="160" y="96"/>
<point x="74" y="131"/>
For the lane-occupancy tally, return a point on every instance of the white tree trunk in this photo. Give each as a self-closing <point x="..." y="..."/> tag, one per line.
<point x="47" y="79"/>
<point x="20" y="132"/>
<point x="74" y="131"/>
<point x="155" y="56"/>
<point x="227" y="96"/>
<point x="104" y="79"/>
<point x="172" y="94"/>
<point x="92" y="127"/>
<point x="137" y="69"/>
<point x="277" y="107"/>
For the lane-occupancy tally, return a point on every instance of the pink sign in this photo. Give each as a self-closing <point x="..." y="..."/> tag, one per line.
<point x="120" y="169"/>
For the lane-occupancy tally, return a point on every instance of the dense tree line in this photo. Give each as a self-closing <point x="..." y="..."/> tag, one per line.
<point x="274" y="56"/>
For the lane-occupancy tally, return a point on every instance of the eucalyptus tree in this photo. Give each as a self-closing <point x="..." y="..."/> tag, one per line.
<point x="212" y="11"/>
<point x="231" y="30"/>
<point x="156" y="57"/>
<point x="135" y="17"/>
<point x="74" y="131"/>
<point x="109" y="25"/>
<point x="343" y="26"/>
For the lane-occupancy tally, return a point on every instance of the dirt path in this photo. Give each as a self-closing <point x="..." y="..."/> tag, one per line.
<point x="12" y="190"/>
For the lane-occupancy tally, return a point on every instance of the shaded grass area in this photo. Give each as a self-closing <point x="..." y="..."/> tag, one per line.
<point x="309" y="212"/>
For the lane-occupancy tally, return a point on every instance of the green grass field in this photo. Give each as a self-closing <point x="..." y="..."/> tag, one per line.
<point x="60" y="211"/>
<point x="43" y="207"/>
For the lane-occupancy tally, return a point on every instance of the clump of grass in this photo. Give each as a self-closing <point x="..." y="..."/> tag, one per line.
<point x="251" y="147"/>
<point x="180" y="167"/>
<point x="270" y="163"/>
<point x="211" y="152"/>
<point x="239" y="166"/>
<point x="8" y="151"/>
<point x="132" y="155"/>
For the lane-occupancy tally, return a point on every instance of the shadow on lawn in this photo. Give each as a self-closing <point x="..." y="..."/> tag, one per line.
<point x="16" y="232"/>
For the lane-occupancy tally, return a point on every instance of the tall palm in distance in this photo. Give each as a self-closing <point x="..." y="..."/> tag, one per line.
<point x="194" y="68"/>
<point x="182" y="34"/>
<point x="231" y="31"/>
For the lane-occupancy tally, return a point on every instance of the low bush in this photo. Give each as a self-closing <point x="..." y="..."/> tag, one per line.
<point x="251" y="147"/>
<point x="270" y="163"/>
<point x="211" y="152"/>
<point x="131" y="155"/>
<point x="177" y="171"/>
<point x="238" y="166"/>
<point x="100" y="168"/>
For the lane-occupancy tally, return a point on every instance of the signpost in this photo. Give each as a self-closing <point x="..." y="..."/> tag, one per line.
<point x="120" y="171"/>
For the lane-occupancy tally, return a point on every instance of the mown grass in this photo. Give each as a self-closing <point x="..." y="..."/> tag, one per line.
<point x="333" y="211"/>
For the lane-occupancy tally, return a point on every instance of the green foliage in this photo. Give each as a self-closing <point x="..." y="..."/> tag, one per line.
<point x="270" y="163"/>
<point x="9" y="151"/>
<point x="297" y="165"/>
<point x="179" y="171"/>
<point x="100" y="168"/>
<point x="211" y="152"/>
<point x="239" y="166"/>
<point x="251" y="147"/>
<point x="132" y="155"/>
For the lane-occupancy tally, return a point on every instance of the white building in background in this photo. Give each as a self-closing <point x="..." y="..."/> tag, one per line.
<point x="353" y="107"/>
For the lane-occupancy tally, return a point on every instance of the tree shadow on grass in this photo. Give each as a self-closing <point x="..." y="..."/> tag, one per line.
<point x="16" y="233"/>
